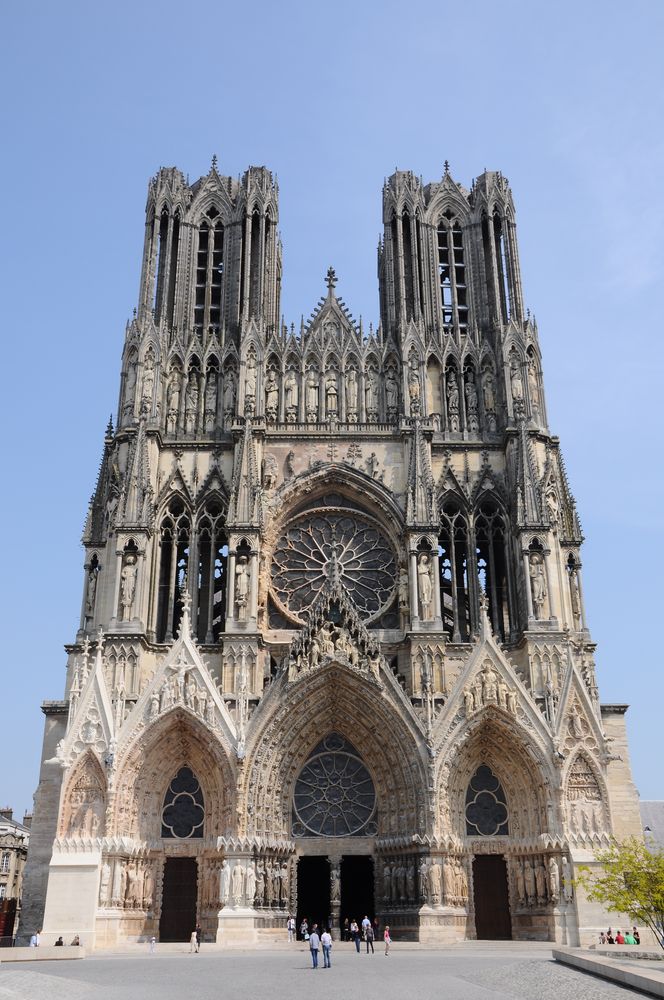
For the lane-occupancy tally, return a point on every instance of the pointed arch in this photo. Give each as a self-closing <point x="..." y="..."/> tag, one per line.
<point x="84" y="802"/>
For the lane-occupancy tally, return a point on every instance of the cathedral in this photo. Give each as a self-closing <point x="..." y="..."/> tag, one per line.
<point x="333" y="657"/>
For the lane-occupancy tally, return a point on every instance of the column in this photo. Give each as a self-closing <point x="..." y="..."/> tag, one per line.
<point x="437" y="613"/>
<point x="252" y="610"/>
<point x="116" y="588"/>
<point x="582" y="603"/>
<point x="553" y="596"/>
<point x="230" y="588"/>
<point x="335" y="894"/>
<point x="414" y="596"/>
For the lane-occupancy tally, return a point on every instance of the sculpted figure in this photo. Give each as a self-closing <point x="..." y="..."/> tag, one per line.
<point x="127" y="586"/>
<point x="331" y="393"/>
<point x="242" y="587"/>
<point x="148" y="383"/>
<point x="529" y="879"/>
<point x="371" y="396"/>
<point x="154" y="704"/>
<point x="237" y="883"/>
<point x="387" y="882"/>
<point x="271" y="396"/>
<point x="191" y="402"/>
<point x="224" y="882"/>
<point x="540" y="882"/>
<point x="425" y="588"/>
<point x="104" y="882"/>
<point x="425" y="882"/>
<point x="410" y="881"/>
<point x="537" y="583"/>
<point x="414" y="386"/>
<point x="533" y="388"/>
<point x="250" y="387"/>
<point x="453" y="402"/>
<point x="351" y="396"/>
<point x="403" y="588"/>
<point x="312" y="395"/>
<point x="210" y="400"/>
<point x="173" y="390"/>
<point x="471" y="403"/>
<point x="391" y="393"/>
<point x="270" y="472"/>
<point x="468" y="701"/>
<point x="335" y="884"/>
<point x="502" y="693"/>
<point x="553" y="879"/>
<point x="517" y="385"/>
<point x="250" y="883"/>
<point x="289" y="465"/>
<point x="91" y="590"/>
<point x="291" y="395"/>
<point x="435" y="881"/>
<point x="130" y="388"/>
<point x="259" y="894"/>
<point x="229" y="396"/>
<point x="520" y="884"/>
<point x="511" y="702"/>
<point x="284" y="877"/>
<point x="568" y="888"/>
<point x="488" y="391"/>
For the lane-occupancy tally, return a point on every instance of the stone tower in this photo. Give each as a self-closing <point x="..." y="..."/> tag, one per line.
<point x="333" y="656"/>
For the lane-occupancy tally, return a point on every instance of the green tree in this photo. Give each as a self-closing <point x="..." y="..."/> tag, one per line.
<point x="630" y="880"/>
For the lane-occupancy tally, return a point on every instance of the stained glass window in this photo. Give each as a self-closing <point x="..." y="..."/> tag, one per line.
<point x="486" y="805"/>
<point x="334" y="794"/>
<point x="183" y="813"/>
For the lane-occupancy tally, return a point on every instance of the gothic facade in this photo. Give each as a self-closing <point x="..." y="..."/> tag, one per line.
<point x="333" y="654"/>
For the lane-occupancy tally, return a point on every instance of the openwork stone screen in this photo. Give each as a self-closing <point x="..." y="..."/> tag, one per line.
<point x="317" y="545"/>
<point x="183" y="813"/>
<point x="486" y="806"/>
<point x="334" y="794"/>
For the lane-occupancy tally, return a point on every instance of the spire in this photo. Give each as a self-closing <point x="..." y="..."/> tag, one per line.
<point x="134" y="509"/>
<point x="421" y="501"/>
<point x="185" y="620"/>
<point x="244" y="504"/>
<point x="105" y="487"/>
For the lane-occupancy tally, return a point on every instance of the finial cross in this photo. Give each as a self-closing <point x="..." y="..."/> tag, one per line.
<point x="331" y="278"/>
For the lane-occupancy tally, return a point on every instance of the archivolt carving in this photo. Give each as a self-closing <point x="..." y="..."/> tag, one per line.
<point x="334" y="701"/>
<point x="83" y="811"/>
<point x="584" y="802"/>
<point x="144" y="774"/>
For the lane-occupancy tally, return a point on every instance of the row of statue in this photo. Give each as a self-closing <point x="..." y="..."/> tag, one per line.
<point x="333" y="642"/>
<point x="182" y="689"/>
<point x="538" y="881"/>
<point x="585" y="818"/>
<point x="265" y="883"/>
<point x="489" y="688"/>
<point x="191" y="400"/>
<point x="126" y="884"/>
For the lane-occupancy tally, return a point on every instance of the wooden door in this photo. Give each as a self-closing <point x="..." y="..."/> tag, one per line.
<point x="492" y="904"/>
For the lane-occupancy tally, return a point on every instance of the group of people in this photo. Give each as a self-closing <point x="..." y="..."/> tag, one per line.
<point x="35" y="941"/>
<point x="195" y="940"/>
<point x="352" y="931"/>
<point x="629" y="937"/>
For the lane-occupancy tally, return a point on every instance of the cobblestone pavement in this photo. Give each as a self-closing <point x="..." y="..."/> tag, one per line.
<point x="466" y="973"/>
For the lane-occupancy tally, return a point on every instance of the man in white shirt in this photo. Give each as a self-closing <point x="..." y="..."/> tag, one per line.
<point x="365" y="923"/>
<point x="290" y="926"/>
<point x="326" y="941"/>
<point x="314" y="942"/>
<point x="34" y="940"/>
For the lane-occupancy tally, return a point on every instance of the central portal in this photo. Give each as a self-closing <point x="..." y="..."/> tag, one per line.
<point x="357" y="888"/>
<point x="313" y="891"/>
<point x="492" y="905"/>
<point x="178" y="906"/>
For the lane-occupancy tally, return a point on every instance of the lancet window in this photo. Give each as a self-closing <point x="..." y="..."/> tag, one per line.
<point x="173" y="565"/>
<point x="454" y="559"/>
<point x="492" y="565"/>
<point x="209" y="273"/>
<point x="166" y="267"/>
<point x="452" y="273"/>
<point x="212" y="546"/>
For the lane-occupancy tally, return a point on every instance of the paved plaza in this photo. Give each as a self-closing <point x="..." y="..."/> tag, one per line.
<point x="468" y="972"/>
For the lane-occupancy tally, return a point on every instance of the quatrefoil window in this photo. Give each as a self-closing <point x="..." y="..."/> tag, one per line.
<point x="486" y="805"/>
<point x="183" y="813"/>
<point x="317" y="547"/>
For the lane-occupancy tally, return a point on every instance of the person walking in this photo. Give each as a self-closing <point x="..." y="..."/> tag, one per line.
<point x="369" y="938"/>
<point x="355" y="934"/>
<point x="290" y="927"/>
<point x="326" y="941"/>
<point x="153" y="942"/>
<point x="193" y="943"/>
<point x="387" y="939"/>
<point x="314" y="942"/>
<point x="199" y="936"/>
<point x="365" y="923"/>
<point x="304" y="929"/>
<point x="34" y="940"/>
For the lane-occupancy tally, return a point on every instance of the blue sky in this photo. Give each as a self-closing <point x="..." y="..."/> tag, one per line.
<point x="566" y="100"/>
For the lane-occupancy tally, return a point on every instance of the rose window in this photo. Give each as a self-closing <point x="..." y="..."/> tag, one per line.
<point x="328" y="545"/>
<point x="334" y="794"/>
<point x="183" y="813"/>
<point x="486" y="806"/>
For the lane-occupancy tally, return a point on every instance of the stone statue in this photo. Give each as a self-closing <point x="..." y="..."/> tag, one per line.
<point x="312" y="395"/>
<point x="91" y="590"/>
<point x="270" y="472"/>
<point x="468" y="701"/>
<point x="259" y="894"/>
<point x="511" y="702"/>
<point x="284" y="877"/>
<point x="104" y="883"/>
<point x="529" y="879"/>
<point x="371" y="396"/>
<point x="154" y="704"/>
<point x="289" y="465"/>
<point x="403" y="589"/>
<point x="575" y="595"/>
<point x="224" y="881"/>
<point x="130" y="387"/>
<point x="410" y="881"/>
<point x="237" y="883"/>
<point x="435" y="881"/>
<point x="191" y="402"/>
<point x="291" y="395"/>
<point x="414" y="386"/>
<point x="127" y="586"/>
<point x="472" y="422"/>
<point x="568" y="886"/>
<point x="173" y="390"/>
<point x="533" y="388"/>
<point x="250" y="387"/>
<point x="540" y="882"/>
<point x="351" y="396"/>
<point x="537" y="583"/>
<point x="425" y="588"/>
<point x="425" y="883"/>
<point x="553" y="879"/>
<point x="148" y="383"/>
<point x="335" y="884"/>
<point x="387" y="882"/>
<point x="229" y="396"/>
<point x="250" y="882"/>
<point x="331" y="393"/>
<point x="453" y="402"/>
<point x="210" y="400"/>
<point x="517" y="386"/>
<point x="271" y="396"/>
<point x="373" y="464"/>
<point x="520" y="884"/>
<point x="391" y="393"/>
<point x="488" y="391"/>
<point x="242" y="587"/>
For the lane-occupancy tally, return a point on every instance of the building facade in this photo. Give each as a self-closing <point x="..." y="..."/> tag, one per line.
<point x="333" y="655"/>
<point x="14" y="841"/>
